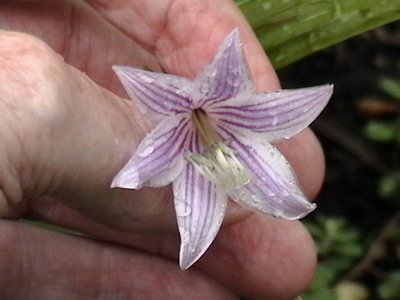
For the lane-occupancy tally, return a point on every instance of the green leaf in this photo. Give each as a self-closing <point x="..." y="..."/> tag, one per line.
<point x="350" y="250"/>
<point x="390" y="288"/>
<point x="324" y="276"/>
<point x="380" y="132"/>
<point x="321" y="294"/>
<point x="389" y="185"/>
<point x="292" y="29"/>
<point x="390" y="87"/>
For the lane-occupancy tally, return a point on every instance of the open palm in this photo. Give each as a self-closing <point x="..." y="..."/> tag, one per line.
<point x="67" y="133"/>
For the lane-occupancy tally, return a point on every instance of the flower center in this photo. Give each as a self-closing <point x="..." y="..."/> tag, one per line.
<point x="218" y="163"/>
<point x="208" y="135"/>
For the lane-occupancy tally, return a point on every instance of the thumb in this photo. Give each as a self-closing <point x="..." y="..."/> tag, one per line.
<point x="66" y="137"/>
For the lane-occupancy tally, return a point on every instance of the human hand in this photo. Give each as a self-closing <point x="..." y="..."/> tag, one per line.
<point x="66" y="137"/>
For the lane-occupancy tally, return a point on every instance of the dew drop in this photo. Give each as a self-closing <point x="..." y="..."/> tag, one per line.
<point x="242" y="196"/>
<point x="274" y="121"/>
<point x="182" y="209"/>
<point x="273" y="155"/>
<point x="146" y="149"/>
<point x="192" y="248"/>
<point x="287" y="28"/>
<point x="204" y="88"/>
<point x="184" y="238"/>
<point x="233" y="80"/>
<point x="213" y="72"/>
<point x="266" y="5"/>
<point x="143" y="109"/>
<point x="147" y="79"/>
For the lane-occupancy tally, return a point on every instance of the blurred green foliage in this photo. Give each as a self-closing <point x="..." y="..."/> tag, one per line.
<point x="388" y="132"/>
<point x="339" y="247"/>
<point x="292" y="29"/>
<point x="390" y="287"/>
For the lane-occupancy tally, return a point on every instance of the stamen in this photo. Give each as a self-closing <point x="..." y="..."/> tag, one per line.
<point x="218" y="163"/>
<point x="207" y="133"/>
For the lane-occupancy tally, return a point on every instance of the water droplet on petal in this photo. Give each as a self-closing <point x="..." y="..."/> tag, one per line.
<point x="147" y="79"/>
<point x="233" y="79"/>
<point x="273" y="155"/>
<point x="146" y="149"/>
<point x="182" y="209"/>
<point x="274" y="121"/>
<point x="184" y="238"/>
<point x="213" y="72"/>
<point x="242" y="195"/>
<point x="204" y="88"/>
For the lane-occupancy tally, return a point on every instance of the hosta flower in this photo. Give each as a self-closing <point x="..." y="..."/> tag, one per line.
<point x="213" y="142"/>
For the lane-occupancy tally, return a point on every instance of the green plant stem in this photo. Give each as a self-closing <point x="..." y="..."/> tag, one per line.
<point x="291" y="30"/>
<point x="51" y="227"/>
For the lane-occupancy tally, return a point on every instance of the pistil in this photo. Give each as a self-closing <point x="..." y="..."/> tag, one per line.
<point x="208" y="135"/>
<point x="218" y="163"/>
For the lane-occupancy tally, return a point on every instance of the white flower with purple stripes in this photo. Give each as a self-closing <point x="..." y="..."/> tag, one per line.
<point x="213" y="142"/>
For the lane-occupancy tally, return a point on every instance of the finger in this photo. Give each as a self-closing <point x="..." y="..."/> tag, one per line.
<point x="260" y="258"/>
<point x="182" y="48"/>
<point x="38" y="264"/>
<point x="80" y="35"/>
<point x="60" y="135"/>
<point x="184" y="35"/>
<point x="69" y="139"/>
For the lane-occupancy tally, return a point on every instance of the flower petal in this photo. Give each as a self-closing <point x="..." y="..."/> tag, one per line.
<point x="158" y="160"/>
<point x="200" y="208"/>
<point x="156" y="94"/>
<point x="276" y="115"/>
<point x="226" y="75"/>
<point x="274" y="189"/>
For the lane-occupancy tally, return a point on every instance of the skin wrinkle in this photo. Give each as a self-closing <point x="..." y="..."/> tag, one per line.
<point x="54" y="18"/>
<point x="146" y="29"/>
<point x="7" y="266"/>
<point x="18" y="174"/>
<point x="71" y="21"/>
<point x="156" y="207"/>
<point x="177" y="57"/>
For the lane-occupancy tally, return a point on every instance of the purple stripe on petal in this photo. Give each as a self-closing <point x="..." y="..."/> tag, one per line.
<point x="159" y="153"/>
<point x="155" y="170"/>
<point x="286" y="120"/>
<point x="200" y="208"/>
<point x="161" y="93"/>
<point x="273" y="100"/>
<point x="159" y="98"/>
<point x="272" y="119"/>
<point x="274" y="189"/>
<point x="226" y="75"/>
<point x="147" y="105"/>
<point x="168" y="94"/>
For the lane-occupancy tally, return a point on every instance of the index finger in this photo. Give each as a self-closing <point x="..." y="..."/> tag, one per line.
<point x="184" y="35"/>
